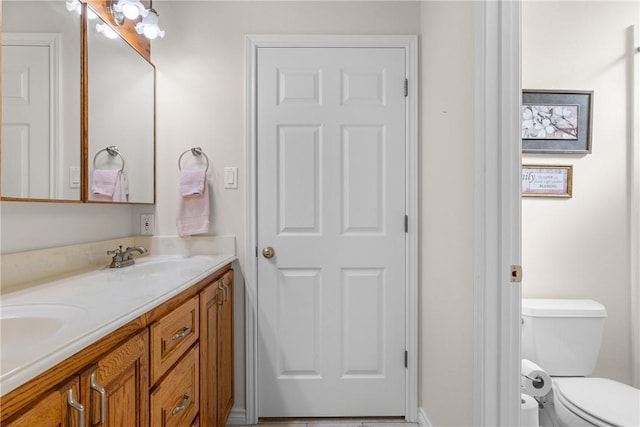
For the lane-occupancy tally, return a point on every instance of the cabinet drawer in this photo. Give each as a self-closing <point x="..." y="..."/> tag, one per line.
<point x="175" y="401"/>
<point x="172" y="335"/>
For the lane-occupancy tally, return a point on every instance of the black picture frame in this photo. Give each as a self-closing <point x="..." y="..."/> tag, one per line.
<point x="556" y="121"/>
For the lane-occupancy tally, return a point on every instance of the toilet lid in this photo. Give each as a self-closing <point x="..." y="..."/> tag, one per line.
<point x="610" y="402"/>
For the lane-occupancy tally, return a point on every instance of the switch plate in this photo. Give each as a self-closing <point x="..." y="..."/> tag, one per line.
<point x="74" y="177"/>
<point x="231" y="177"/>
<point x="146" y="224"/>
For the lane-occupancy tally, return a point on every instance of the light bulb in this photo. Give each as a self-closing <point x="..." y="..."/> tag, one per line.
<point x="107" y="31"/>
<point x="130" y="11"/>
<point x="74" y="6"/>
<point x="149" y="26"/>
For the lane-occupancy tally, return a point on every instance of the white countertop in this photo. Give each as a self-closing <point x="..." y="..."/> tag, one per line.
<point x="66" y="315"/>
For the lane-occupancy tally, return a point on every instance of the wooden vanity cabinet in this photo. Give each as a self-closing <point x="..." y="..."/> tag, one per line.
<point x="216" y="352"/>
<point x="225" y="350"/>
<point x="116" y="388"/>
<point x="175" y="366"/>
<point x="172" y="366"/>
<point x="54" y="409"/>
<point x="113" y="392"/>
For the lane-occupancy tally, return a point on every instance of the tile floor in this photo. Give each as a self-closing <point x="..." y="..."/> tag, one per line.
<point x="334" y="422"/>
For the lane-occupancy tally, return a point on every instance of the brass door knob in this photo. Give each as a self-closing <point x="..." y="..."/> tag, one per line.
<point x="268" y="252"/>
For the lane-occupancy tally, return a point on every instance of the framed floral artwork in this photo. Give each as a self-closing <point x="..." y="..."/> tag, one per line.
<point x="556" y="121"/>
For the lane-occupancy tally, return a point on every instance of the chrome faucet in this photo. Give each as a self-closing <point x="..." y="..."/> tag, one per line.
<point x="124" y="258"/>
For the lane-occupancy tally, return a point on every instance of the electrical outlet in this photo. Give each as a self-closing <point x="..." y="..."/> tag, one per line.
<point x="146" y="224"/>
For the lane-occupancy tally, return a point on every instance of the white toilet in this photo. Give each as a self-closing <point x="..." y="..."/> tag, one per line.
<point x="563" y="337"/>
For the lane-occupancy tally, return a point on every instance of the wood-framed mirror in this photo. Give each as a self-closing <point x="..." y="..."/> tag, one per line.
<point x="121" y="116"/>
<point x="41" y="102"/>
<point x="70" y="95"/>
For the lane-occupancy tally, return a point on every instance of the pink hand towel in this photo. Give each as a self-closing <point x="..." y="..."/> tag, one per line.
<point x="121" y="189"/>
<point x="193" y="211"/>
<point x="192" y="182"/>
<point x="104" y="181"/>
<point x="109" y="185"/>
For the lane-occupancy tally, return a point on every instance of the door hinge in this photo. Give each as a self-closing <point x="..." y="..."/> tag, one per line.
<point x="406" y="87"/>
<point x="406" y="359"/>
<point x="256" y="252"/>
<point x="406" y="223"/>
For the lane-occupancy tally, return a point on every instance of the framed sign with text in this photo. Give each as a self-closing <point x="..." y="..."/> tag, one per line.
<point x="547" y="181"/>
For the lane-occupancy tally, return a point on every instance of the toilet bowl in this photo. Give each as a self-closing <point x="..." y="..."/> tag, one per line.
<point x="563" y="337"/>
<point x="595" y="402"/>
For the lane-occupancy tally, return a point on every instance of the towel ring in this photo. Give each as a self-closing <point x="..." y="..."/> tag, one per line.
<point x="113" y="151"/>
<point x="197" y="152"/>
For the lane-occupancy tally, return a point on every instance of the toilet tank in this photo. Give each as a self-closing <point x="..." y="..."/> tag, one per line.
<point x="562" y="336"/>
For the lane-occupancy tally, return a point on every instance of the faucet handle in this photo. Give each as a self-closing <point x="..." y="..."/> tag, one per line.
<point x="116" y="251"/>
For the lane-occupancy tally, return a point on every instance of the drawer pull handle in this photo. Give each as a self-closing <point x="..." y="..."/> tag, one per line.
<point x="183" y="333"/>
<point x="103" y="399"/>
<point x="73" y="403"/>
<point x="186" y="401"/>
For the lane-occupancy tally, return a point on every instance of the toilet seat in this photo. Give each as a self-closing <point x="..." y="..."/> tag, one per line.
<point x="600" y="401"/>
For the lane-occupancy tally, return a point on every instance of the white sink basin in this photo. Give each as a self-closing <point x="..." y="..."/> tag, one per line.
<point x="158" y="265"/>
<point x="27" y="329"/>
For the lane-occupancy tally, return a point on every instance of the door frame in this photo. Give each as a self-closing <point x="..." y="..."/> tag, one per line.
<point x="410" y="44"/>
<point x="497" y="217"/>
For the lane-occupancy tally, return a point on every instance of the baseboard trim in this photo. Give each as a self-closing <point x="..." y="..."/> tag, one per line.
<point x="423" y="420"/>
<point x="237" y="417"/>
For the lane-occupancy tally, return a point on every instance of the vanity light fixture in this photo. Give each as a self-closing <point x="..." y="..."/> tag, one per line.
<point x="149" y="26"/>
<point x="76" y="6"/>
<point x="130" y="9"/>
<point x="107" y="31"/>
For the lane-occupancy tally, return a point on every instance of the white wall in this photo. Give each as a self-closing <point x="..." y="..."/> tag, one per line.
<point x="579" y="247"/>
<point x="28" y="226"/>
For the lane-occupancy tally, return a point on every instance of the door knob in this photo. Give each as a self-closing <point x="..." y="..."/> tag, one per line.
<point x="268" y="252"/>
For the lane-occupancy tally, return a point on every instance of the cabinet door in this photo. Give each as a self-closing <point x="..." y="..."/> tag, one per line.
<point x="58" y="408"/>
<point x="209" y="299"/>
<point x="117" y="388"/>
<point x="225" y="350"/>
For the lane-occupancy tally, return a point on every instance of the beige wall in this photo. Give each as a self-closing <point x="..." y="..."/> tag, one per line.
<point x="447" y="164"/>
<point x="579" y="247"/>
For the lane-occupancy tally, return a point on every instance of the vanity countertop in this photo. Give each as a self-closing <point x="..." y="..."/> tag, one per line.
<point x="45" y="324"/>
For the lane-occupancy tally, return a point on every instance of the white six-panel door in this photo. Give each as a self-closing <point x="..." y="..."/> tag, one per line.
<point x="331" y="203"/>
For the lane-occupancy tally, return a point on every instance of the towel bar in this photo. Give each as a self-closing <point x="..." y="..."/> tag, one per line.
<point x="197" y="152"/>
<point x="113" y="151"/>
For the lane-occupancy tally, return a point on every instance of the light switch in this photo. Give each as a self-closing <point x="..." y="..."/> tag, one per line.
<point x="74" y="177"/>
<point x="231" y="177"/>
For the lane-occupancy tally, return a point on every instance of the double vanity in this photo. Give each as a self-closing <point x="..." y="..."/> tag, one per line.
<point x="150" y="344"/>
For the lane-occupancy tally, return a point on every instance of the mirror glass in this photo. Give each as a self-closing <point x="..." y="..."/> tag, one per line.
<point x="41" y="101"/>
<point x="121" y="118"/>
